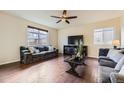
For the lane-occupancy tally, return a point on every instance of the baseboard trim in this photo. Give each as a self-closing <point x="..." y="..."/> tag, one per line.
<point x="7" y="64"/>
<point x="9" y="61"/>
<point x="92" y="58"/>
<point x="17" y="61"/>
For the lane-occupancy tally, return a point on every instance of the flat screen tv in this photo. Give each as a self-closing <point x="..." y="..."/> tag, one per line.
<point x="75" y="40"/>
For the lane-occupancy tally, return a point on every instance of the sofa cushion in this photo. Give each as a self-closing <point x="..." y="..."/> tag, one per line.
<point x="116" y="56"/>
<point x="46" y="48"/>
<point x="113" y="51"/>
<point x="43" y="52"/>
<point x="108" y="63"/>
<point x="103" y="51"/>
<point x="119" y="64"/>
<point x="109" y="52"/>
<point x="104" y="74"/>
<point x="40" y="54"/>
<point x="40" y="48"/>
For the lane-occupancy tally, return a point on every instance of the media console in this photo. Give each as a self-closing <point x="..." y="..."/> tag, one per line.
<point x="70" y="50"/>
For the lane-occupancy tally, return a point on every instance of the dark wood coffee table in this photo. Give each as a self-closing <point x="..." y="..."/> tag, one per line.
<point x="74" y="63"/>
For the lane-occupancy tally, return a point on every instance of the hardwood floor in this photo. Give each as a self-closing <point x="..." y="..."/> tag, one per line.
<point x="51" y="71"/>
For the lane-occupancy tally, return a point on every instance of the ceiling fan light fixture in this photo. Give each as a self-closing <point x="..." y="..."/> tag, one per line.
<point x="64" y="17"/>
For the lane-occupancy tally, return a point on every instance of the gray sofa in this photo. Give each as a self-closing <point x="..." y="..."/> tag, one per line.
<point x="106" y="68"/>
<point x="116" y="77"/>
<point x="44" y="53"/>
<point x="104" y="74"/>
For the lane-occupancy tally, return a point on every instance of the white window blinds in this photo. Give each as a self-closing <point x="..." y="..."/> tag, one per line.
<point x="103" y="36"/>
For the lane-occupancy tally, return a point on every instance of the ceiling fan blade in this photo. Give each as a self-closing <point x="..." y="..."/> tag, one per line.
<point x="64" y="12"/>
<point x="67" y="21"/>
<point x="58" y="21"/>
<point x="55" y="17"/>
<point x="71" y="17"/>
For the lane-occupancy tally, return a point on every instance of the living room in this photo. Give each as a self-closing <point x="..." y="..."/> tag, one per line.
<point x="16" y="25"/>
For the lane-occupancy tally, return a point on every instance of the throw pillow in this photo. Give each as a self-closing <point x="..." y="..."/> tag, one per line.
<point x="119" y="64"/>
<point x="31" y="49"/>
<point x="36" y="51"/>
<point x="51" y="48"/>
<point x="116" y="56"/>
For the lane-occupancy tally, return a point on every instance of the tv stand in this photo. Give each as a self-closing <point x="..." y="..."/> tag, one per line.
<point x="70" y="50"/>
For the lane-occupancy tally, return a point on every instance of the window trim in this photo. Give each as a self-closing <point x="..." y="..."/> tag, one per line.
<point x="37" y="28"/>
<point x="32" y="27"/>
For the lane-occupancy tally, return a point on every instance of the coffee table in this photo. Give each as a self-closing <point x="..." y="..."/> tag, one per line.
<point x="74" y="63"/>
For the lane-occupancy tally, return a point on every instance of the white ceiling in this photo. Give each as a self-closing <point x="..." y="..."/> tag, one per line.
<point x="84" y="16"/>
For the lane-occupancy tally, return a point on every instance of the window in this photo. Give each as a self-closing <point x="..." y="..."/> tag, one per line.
<point x="103" y="36"/>
<point x="37" y="36"/>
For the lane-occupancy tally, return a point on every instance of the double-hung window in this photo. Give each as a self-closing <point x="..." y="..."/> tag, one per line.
<point x="103" y="35"/>
<point x="37" y="36"/>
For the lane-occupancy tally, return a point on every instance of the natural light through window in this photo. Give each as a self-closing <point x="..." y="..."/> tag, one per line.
<point x="103" y="35"/>
<point x="37" y="36"/>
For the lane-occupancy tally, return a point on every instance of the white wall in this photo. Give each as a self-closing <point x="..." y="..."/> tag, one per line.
<point x="122" y="32"/>
<point x="87" y="32"/>
<point x="13" y="35"/>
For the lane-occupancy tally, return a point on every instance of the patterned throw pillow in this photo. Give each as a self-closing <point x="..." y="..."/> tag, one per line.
<point x="31" y="49"/>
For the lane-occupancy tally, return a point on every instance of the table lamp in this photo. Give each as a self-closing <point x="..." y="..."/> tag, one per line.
<point x="115" y="43"/>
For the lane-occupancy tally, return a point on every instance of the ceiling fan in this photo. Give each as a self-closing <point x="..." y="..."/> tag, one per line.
<point x="64" y="17"/>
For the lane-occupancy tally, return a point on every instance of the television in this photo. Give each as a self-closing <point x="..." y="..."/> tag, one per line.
<point x="75" y="40"/>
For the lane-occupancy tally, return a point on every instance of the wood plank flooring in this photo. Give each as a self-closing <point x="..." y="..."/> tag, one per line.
<point x="51" y="71"/>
